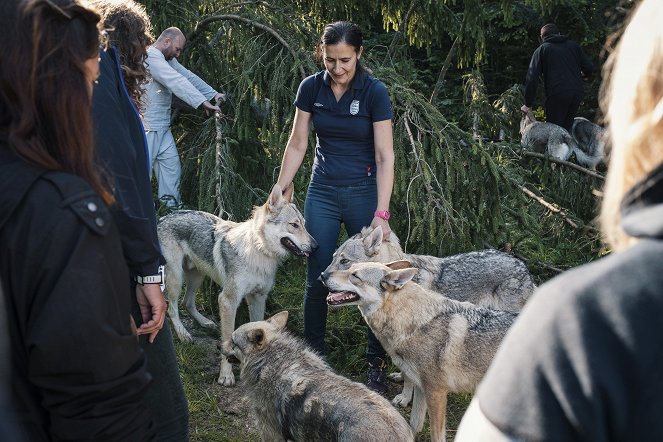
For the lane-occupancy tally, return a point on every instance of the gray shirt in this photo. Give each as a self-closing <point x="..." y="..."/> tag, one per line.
<point x="169" y="77"/>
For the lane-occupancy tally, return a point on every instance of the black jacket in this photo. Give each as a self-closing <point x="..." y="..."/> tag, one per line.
<point x="562" y="63"/>
<point x="77" y="370"/>
<point x="122" y="151"/>
<point x="584" y="362"/>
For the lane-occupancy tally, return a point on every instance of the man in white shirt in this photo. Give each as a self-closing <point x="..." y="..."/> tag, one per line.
<point x="169" y="77"/>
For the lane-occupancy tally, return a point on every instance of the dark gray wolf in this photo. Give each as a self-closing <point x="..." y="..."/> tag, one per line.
<point x="241" y="257"/>
<point x="590" y="142"/>
<point x="487" y="278"/>
<point x="296" y="396"/>
<point x="441" y="345"/>
<point x="546" y="137"/>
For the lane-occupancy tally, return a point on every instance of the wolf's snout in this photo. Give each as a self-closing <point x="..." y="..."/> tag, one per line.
<point x="323" y="277"/>
<point x="314" y="245"/>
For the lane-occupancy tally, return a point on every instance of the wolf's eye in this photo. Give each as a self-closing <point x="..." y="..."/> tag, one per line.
<point x="295" y="225"/>
<point x="345" y="261"/>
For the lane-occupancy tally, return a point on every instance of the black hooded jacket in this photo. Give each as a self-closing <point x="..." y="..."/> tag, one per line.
<point x="562" y="63"/>
<point x="76" y="368"/>
<point x="584" y="362"/>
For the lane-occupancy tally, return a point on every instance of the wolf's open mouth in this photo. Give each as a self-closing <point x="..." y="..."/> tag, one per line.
<point x="340" y="298"/>
<point x="292" y="247"/>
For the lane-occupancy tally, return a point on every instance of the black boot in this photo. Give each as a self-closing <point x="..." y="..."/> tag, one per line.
<point x="377" y="376"/>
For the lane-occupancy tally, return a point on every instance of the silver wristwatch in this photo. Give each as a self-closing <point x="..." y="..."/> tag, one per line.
<point x="152" y="279"/>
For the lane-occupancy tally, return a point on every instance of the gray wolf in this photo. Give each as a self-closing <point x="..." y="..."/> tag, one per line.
<point x="441" y="345"/>
<point x="590" y="142"/>
<point x="241" y="257"/>
<point x="546" y="137"/>
<point x="487" y="278"/>
<point x="296" y="396"/>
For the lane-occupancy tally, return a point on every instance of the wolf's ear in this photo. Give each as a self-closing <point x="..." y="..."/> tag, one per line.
<point x="279" y="320"/>
<point x="373" y="241"/>
<point x="275" y="199"/>
<point x="398" y="265"/>
<point x="289" y="192"/>
<point x="257" y="336"/>
<point x="398" y="278"/>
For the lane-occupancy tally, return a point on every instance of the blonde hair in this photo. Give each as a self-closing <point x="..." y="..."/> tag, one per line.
<point x="633" y="104"/>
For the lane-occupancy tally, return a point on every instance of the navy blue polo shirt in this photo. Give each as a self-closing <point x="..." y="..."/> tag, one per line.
<point x="344" y="148"/>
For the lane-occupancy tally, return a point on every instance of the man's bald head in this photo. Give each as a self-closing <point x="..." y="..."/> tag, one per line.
<point x="170" y="42"/>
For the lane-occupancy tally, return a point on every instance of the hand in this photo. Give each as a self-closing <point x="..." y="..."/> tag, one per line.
<point x="525" y="109"/>
<point x="377" y="221"/>
<point x="209" y="107"/>
<point x="153" y="308"/>
<point x="219" y="97"/>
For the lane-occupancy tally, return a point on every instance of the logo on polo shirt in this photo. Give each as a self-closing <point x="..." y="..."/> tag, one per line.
<point x="354" y="107"/>
<point x="318" y="105"/>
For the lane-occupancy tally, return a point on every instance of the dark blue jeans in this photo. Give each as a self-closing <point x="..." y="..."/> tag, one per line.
<point x="325" y="208"/>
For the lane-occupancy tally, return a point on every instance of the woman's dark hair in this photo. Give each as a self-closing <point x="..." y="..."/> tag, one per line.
<point x="128" y="29"/>
<point x="45" y="103"/>
<point x="340" y="32"/>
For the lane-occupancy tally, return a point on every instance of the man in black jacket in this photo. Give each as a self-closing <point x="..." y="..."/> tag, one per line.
<point x="563" y="64"/>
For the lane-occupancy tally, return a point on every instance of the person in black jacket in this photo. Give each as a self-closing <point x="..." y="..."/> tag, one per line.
<point x="584" y="361"/>
<point x="76" y="367"/>
<point x="563" y="64"/>
<point x="122" y="149"/>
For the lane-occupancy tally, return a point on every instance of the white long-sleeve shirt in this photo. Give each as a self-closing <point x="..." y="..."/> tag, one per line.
<point x="168" y="78"/>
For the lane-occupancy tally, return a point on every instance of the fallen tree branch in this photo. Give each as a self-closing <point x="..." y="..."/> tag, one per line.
<point x="529" y="153"/>
<point x="549" y="206"/>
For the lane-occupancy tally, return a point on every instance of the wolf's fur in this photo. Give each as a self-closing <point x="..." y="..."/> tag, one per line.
<point x="488" y="278"/>
<point x="241" y="257"/>
<point x="546" y="138"/>
<point x="296" y="396"/>
<point x="441" y="345"/>
<point x="590" y="141"/>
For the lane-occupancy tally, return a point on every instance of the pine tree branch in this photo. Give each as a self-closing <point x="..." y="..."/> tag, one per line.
<point x="591" y="173"/>
<point x="402" y="29"/>
<point x="214" y="18"/>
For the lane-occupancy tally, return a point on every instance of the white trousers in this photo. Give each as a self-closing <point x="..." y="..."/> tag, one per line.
<point x="165" y="161"/>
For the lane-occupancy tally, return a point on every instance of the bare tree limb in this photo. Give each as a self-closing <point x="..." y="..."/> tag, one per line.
<point x="445" y="67"/>
<point x="591" y="173"/>
<point x="549" y="206"/>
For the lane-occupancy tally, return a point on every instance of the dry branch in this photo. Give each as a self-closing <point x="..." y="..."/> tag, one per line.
<point x="549" y="206"/>
<point x="566" y="163"/>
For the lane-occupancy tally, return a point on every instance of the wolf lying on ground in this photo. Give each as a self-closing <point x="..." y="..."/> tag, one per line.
<point x="487" y="278"/>
<point x="546" y="137"/>
<point x="590" y="141"/>
<point x="296" y="396"/>
<point x="241" y="257"/>
<point x="441" y="345"/>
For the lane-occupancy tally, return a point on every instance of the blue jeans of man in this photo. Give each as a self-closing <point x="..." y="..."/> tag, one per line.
<point x="325" y="209"/>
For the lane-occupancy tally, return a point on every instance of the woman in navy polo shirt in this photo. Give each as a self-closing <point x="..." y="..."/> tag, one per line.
<point x="353" y="170"/>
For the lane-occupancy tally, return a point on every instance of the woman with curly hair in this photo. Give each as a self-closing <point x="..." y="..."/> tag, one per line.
<point x="121" y="147"/>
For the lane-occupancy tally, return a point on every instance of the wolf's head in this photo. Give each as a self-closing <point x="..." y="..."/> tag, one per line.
<point x="284" y="229"/>
<point x="527" y="119"/>
<point x="366" y="284"/>
<point x="254" y="337"/>
<point x="367" y="246"/>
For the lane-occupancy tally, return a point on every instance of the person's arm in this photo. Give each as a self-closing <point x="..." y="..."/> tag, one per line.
<point x="164" y="72"/>
<point x="532" y="79"/>
<point x="475" y="427"/>
<point x="208" y="91"/>
<point x="586" y="65"/>
<point x="384" y="160"/>
<point x="295" y="150"/>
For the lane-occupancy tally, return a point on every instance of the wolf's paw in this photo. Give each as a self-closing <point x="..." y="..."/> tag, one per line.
<point x="183" y="335"/>
<point x="227" y="380"/>
<point x="209" y="324"/>
<point x="395" y="377"/>
<point x="400" y="400"/>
